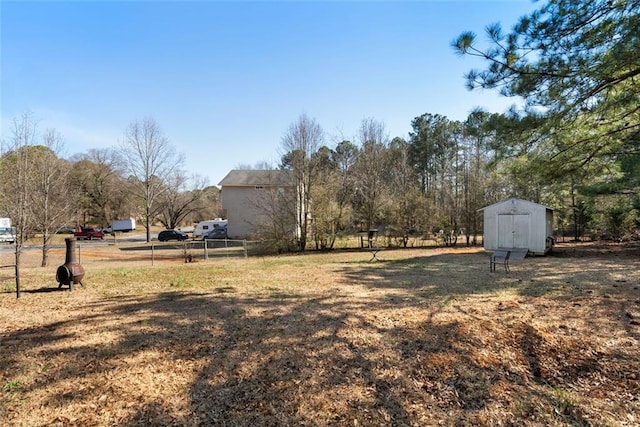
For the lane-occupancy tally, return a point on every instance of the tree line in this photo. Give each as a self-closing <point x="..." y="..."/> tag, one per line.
<point x="432" y="184"/>
<point x="574" y="145"/>
<point x="142" y="177"/>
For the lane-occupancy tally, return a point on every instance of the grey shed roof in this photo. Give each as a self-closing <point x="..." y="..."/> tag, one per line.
<point x="515" y="200"/>
<point x="250" y="177"/>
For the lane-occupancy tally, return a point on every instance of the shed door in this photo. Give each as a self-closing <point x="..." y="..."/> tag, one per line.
<point x="513" y="231"/>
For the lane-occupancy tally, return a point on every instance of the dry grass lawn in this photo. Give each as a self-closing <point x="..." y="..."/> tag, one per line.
<point x="423" y="337"/>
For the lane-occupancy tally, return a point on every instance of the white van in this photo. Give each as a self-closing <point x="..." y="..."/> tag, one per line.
<point x="7" y="232"/>
<point x="208" y="225"/>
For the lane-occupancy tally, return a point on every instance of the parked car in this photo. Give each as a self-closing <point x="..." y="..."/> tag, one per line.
<point x="216" y="233"/>
<point x="88" y="233"/>
<point x="166" y="235"/>
<point x="204" y="227"/>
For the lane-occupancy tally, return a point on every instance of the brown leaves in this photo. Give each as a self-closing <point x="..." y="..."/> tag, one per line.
<point x="427" y="337"/>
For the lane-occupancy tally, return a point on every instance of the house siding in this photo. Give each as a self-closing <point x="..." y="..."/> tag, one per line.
<point x="245" y="199"/>
<point x="244" y="215"/>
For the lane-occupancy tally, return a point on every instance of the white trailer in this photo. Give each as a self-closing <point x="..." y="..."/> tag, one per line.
<point x="208" y="225"/>
<point x="125" y="225"/>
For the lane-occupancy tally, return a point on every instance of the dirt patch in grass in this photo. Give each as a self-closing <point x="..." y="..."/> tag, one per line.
<point x="422" y="337"/>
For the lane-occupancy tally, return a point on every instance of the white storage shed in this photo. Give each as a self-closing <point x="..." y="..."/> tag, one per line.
<point x="517" y="223"/>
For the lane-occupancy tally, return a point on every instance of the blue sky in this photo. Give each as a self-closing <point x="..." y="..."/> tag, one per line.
<point x="226" y="79"/>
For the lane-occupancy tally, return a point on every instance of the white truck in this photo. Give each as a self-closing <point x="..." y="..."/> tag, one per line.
<point x="7" y="232"/>
<point x="125" y="225"/>
<point x="208" y="225"/>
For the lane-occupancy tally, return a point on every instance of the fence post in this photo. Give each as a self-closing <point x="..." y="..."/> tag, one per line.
<point x="244" y="246"/>
<point x="206" y="249"/>
<point x="17" y="269"/>
<point x="153" y="253"/>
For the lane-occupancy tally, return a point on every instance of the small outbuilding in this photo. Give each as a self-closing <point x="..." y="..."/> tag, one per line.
<point x="517" y="223"/>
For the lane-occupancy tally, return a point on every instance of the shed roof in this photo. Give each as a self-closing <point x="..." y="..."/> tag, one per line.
<point x="251" y="177"/>
<point x="515" y="200"/>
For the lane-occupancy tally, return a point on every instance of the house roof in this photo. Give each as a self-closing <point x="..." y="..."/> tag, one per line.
<point x="515" y="200"/>
<point x="251" y="177"/>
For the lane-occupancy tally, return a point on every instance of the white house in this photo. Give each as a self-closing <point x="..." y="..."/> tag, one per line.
<point x="517" y="223"/>
<point x="248" y="199"/>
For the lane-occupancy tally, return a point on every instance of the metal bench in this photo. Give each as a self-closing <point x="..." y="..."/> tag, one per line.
<point x="499" y="257"/>
<point x="502" y="256"/>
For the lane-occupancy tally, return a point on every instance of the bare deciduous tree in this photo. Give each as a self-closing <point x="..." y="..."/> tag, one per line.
<point x="149" y="159"/>
<point x="179" y="201"/>
<point x="274" y="215"/>
<point x="15" y="175"/>
<point x="50" y="201"/>
<point x="300" y="143"/>
<point x="369" y="171"/>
